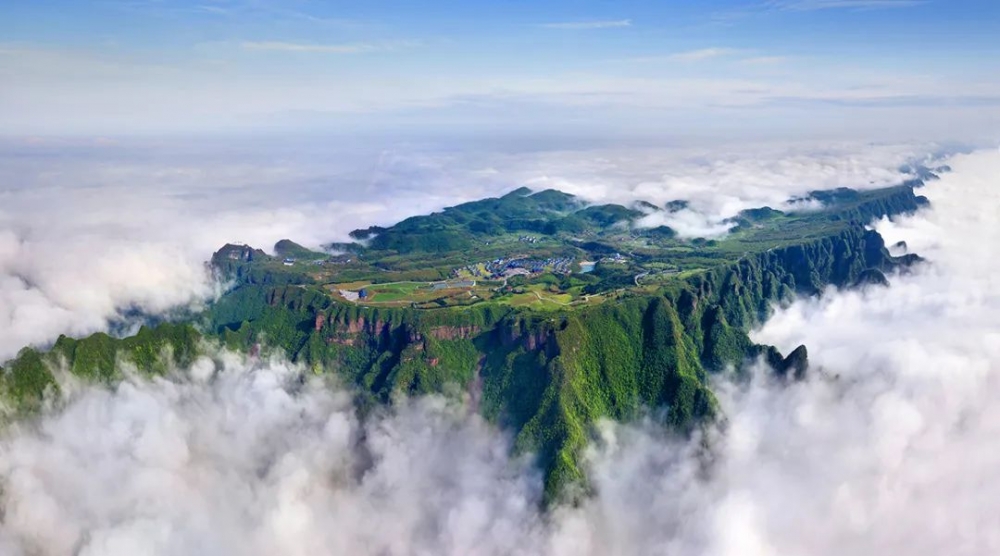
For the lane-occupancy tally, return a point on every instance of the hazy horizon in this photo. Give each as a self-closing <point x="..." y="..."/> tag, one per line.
<point x="881" y="69"/>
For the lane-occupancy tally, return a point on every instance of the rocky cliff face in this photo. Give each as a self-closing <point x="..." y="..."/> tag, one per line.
<point x="547" y="377"/>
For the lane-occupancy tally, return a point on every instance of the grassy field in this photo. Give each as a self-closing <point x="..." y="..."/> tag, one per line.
<point x="399" y="294"/>
<point x="539" y="297"/>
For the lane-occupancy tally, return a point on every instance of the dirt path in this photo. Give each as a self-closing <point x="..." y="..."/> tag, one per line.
<point x="540" y="298"/>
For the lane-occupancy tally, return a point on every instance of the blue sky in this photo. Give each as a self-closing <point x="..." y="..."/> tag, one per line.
<point x="710" y="67"/>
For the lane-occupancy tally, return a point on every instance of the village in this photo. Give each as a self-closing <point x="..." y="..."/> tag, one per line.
<point x="504" y="268"/>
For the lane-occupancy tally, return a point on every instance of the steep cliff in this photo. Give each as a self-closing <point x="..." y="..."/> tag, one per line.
<point x="547" y="377"/>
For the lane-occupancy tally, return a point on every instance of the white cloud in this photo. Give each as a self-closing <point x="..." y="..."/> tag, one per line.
<point x="765" y="60"/>
<point x="233" y="460"/>
<point x="347" y="48"/>
<point x="218" y="10"/>
<point x="605" y="24"/>
<point x="703" y="54"/>
<point x="899" y="448"/>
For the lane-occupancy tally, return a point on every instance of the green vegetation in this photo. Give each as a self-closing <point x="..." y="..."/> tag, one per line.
<point x="98" y="357"/>
<point x="544" y="355"/>
<point x="290" y="250"/>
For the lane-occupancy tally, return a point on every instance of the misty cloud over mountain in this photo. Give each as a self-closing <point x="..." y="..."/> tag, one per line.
<point x="240" y="460"/>
<point x="587" y="278"/>
<point x="886" y="448"/>
<point x="127" y="229"/>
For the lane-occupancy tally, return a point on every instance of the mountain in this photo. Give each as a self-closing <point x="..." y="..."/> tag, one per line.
<point x="548" y="313"/>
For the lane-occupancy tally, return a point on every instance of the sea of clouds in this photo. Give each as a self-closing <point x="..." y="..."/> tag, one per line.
<point x="887" y="448"/>
<point x="93" y="232"/>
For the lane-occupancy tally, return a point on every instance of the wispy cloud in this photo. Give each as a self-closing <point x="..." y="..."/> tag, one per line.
<point x="686" y="56"/>
<point x="213" y="10"/>
<point x="811" y="5"/>
<point x="764" y="60"/>
<point x="344" y="48"/>
<point x="729" y="17"/>
<point x="606" y="24"/>
<point x="703" y="54"/>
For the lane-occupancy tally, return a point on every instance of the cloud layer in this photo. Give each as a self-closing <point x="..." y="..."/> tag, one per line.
<point x="896" y="454"/>
<point x="236" y="459"/>
<point x="89" y="234"/>
<point x="721" y="182"/>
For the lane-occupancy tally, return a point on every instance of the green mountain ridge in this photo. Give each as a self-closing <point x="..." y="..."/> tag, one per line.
<point x="618" y="348"/>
